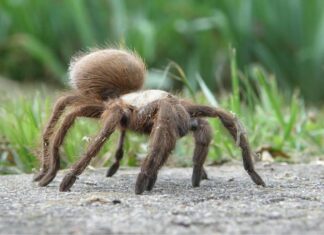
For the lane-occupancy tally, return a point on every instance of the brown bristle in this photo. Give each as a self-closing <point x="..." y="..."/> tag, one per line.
<point x="107" y="73"/>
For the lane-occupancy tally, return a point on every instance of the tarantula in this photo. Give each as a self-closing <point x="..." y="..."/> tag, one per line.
<point x="104" y="82"/>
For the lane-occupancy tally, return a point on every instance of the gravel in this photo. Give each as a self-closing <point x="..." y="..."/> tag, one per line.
<point x="227" y="203"/>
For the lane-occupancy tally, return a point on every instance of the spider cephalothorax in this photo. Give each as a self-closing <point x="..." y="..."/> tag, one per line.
<point x="101" y="78"/>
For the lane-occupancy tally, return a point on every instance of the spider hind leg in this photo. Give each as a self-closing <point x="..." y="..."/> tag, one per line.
<point x="93" y="111"/>
<point x="60" y="105"/>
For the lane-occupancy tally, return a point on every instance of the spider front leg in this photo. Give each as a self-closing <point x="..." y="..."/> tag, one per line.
<point x="162" y="141"/>
<point x="118" y="155"/>
<point x="112" y="118"/>
<point x="234" y="127"/>
<point x="93" y="111"/>
<point x="58" y="110"/>
<point x="203" y="136"/>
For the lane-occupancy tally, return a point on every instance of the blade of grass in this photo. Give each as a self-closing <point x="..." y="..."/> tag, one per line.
<point x="270" y="94"/>
<point x="208" y="94"/>
<point x="235" y="99"/>
<point x="41" y="52"/>
<point x="182" y="77"/>
<point x="292" y="120"/>
<point x="82" y="22"/>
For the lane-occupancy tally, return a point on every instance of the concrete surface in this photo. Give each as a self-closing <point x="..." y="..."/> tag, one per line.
<point x="227" y="203"/>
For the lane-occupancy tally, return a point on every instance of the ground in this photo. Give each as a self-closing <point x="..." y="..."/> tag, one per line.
<point x="227" y="203"/>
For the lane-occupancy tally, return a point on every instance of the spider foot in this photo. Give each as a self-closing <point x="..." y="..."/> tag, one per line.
<point x="113" y="169"/>
<point x="142" y="183"/>
<point x="47" y="179"/>
<point x="38" y="176"/>
<point x="256" y="178"/>
<point x="204" y="175"/>
<point x="151" y="182"/>
<point x="197" y="175"/>
<point x="67" y="182"/>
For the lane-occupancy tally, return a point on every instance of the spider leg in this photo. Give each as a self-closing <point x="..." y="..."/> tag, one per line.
<point x="203" y="136"/>
<point x="112" y="118"/>
<point x="182" y="119"/>
<point x="58" y="110"/>
<point x="118" y="155"/>
<point x="162" y="141"/>
<point x="93" y="111"/>
<point x="204" y="175"/>
<point x="233" y="126"/>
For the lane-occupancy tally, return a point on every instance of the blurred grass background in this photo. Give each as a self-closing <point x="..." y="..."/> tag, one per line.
<point x="273" y="79"/>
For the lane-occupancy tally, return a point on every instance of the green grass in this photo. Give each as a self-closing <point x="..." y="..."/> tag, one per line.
<point x="271" y="118"/>
<point x="285" y="36"/>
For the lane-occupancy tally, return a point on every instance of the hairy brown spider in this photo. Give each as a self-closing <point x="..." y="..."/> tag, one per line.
<point x="103" y="82"/>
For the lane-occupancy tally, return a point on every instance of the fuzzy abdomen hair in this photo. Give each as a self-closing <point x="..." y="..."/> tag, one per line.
<point x="107" y="73"/>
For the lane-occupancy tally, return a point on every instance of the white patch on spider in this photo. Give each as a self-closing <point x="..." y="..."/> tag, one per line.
<point x="142" y="98"/>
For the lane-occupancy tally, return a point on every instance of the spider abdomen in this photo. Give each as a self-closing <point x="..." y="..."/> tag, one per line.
<point x="109" y="73"/>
